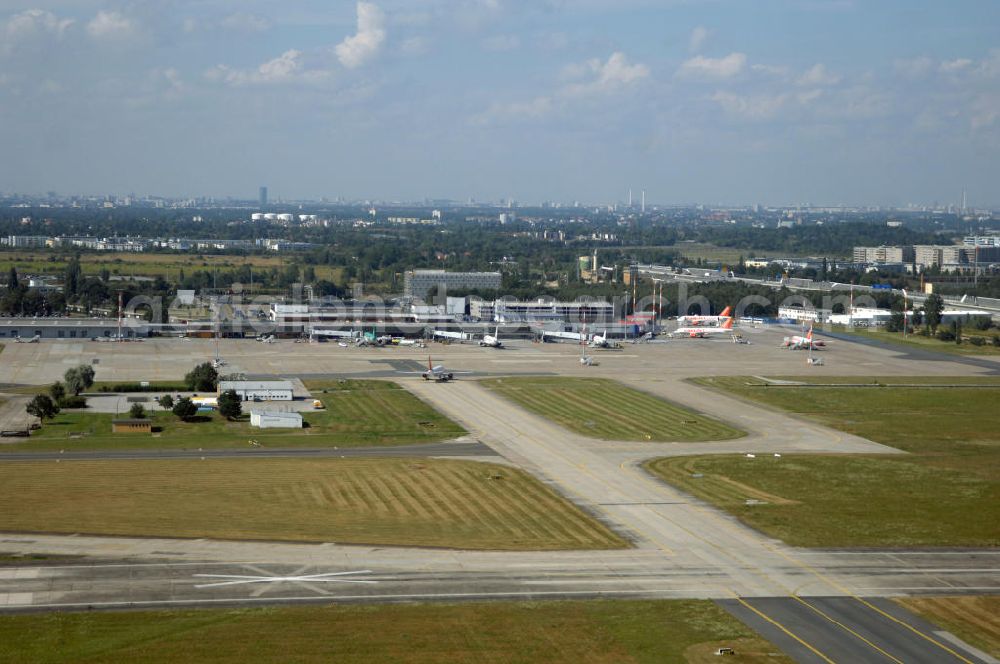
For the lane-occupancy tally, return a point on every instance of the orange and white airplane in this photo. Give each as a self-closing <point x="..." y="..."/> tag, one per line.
<point x="703" y="332"/>
<point x="706" y="320"/>
<point x="803" y="343"/>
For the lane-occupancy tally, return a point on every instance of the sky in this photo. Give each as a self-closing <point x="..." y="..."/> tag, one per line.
<point x="823" y="102"/>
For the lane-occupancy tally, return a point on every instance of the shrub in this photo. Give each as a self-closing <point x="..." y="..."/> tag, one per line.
<point x="73" y="401"/>
<point x="137" y="411"/>
<point x="977" y="341"/>
<point x="946" y="335"/>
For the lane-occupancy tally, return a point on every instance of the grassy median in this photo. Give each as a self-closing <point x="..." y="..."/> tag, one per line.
<point x="974" y="619"/>
<point x="602" y="408"/>
<point x="597" y="632"/>
<point x="406" y="502"/>
<point x="945" y="493"/>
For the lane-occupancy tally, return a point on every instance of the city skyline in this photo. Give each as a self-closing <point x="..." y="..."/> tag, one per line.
<point x="788" y="102"/>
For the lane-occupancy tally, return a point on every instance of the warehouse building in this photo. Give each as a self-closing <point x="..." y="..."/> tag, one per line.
<point x="258" y="390"/>
<point x="270" y="419"/>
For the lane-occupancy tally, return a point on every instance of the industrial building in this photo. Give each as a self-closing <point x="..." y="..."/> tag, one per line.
<point x="71" y="328"/>
<point x="258" y="390"/>
<point x="418" y="283"/>
<point x="270" y="419"/>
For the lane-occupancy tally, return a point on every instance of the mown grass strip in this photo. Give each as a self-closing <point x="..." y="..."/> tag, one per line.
<point x="412" y="502"/>
<point x="602" y="408"/>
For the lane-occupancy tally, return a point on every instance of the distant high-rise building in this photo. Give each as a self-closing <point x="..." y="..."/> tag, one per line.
<point x="262" y="196"/>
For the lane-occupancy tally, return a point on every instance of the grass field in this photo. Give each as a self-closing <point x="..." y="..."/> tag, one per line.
<point x="406" y="502"/>
<point x="603" y="408"/>
<point x="928" y="343"/>
<point x="945" y="493"/>
<point x="168" y="266"/>
<point x="599" y="632"/>
<point x="975" y="620"/>
<point x="358" y="413"/>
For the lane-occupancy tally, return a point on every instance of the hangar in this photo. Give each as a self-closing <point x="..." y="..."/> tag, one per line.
<point x="259" y="390"/>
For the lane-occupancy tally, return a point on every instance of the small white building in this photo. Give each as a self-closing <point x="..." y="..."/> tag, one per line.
<point x="258" y="390"/>
<point x="270" y="419"/>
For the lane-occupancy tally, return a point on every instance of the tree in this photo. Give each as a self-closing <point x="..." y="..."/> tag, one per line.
<point x="137" y="411"/>
<point x="42" y="407"/>
<point x="57" y="391"/>
<point x="230" y="405"/>
<point x="12" y="281"/>
<point x="166" y="402"/>
<point x="203" y="378"/>
<point x="933" y="306"/>
<point x="184" y="408"/>
<point x="79" y="378"/>
<point x="73" y="276"/>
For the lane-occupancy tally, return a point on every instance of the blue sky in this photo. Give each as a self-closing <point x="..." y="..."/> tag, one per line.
<point x="714" y="101"/>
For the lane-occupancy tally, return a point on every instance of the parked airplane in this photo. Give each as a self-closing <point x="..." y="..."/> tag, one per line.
<point x="704" y="332"/>
<point x="437" y="372"/>
<point x="492" y="340"/>
<point x="266" y="338"/>
<point x="803" y="343"/>
<point x="599" y="340"/>
<point x="409" y="342"/>
<point x="706" y="320"/>
<point x="32" y="340"/>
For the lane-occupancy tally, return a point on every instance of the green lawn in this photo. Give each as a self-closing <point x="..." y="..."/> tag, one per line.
<point x="603" y="408"/>
<point x="597" y="632"/>
<point x="945" y="493"/>
<point x="928" y="343"/>
<point x="357" y="414"/>
<point x="385" y="501"/>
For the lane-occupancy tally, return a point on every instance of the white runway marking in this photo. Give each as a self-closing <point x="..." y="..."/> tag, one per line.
<point x="309" y="578"/>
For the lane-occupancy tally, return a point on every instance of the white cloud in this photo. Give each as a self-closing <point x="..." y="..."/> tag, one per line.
<point x="607" y="76"/>
<point x="779" y="71"/>
<point x="751" y="107"/>
<point x="286" y="68"/>
<point x="413" y="46"/>
<point x="242" y="22"/>
<point x="36" y="22"/>
<point x="913" y="67"/>
<point x="954" y="66"/>
<point x="502" y="43"/>
<point x="359" y="48"/>
<point x="110" y="25"/>
<point x="697" y="40"/>
<point x="818" y="75"/>
<point x="598" y="78"/>
<point x="713" y="68"/>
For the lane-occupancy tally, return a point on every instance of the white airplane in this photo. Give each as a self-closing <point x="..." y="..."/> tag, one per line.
<point x="803" y="343"/>
<point x="703" y="332"/>
<point x="706" y="320"/>
<point x="599" y="341"/>
<point x="437" y="372"/>
<point x="410" y="342"/>
<point x="266" y="338"/>
<point x="32" y="340"/>
<point x="492" y="340"/>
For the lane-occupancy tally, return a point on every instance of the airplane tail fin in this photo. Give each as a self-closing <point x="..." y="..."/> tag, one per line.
<point x="429" y="367"/>
<point x="727" y="311"/>
<point x="728" y="324"/>
<point x="809" y="337"/>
